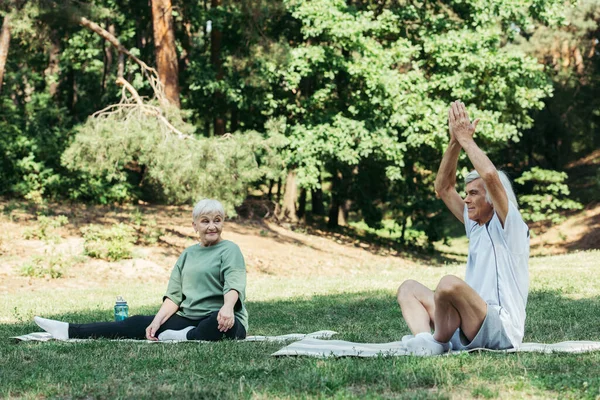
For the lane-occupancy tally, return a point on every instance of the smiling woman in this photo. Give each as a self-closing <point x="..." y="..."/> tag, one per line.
<point x="208" y="216"/>
<point x="204" y="299"/>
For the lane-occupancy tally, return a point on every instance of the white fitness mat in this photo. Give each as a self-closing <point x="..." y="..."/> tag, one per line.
<point x="338" y="348"/>
<point x="45" y="336"/>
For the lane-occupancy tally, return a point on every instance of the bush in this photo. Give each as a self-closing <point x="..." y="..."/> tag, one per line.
<point x="176" y="171"/>
<point x="548" y="195"/>
<point x="390" y="229"/>
<point x="44" y="230"/>
<point x="46" y="266"/>
<point x="147" y="230"/>
<point x="110" y="244"/>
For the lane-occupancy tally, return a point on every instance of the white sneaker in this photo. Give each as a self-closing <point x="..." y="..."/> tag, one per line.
<point x="171" y="334"/>
<point x="423" y="344"/>
<point x="405" y="339"/>
<point x="58" y="329"/>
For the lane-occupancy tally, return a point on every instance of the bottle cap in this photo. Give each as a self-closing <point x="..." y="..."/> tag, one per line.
<point x="121" y="301"/>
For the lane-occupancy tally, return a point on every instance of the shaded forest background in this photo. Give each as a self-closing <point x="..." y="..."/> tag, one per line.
<point x="322" y="111"/>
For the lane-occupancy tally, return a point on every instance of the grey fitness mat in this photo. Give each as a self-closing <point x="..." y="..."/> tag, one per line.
<point x="312" y="347"/>
<point x="45" y="336"/>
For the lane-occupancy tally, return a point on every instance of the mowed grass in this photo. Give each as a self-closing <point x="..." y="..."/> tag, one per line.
<point x="564" y="304"/>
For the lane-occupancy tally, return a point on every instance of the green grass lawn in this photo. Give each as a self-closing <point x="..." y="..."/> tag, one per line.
<point x="564" y="304"/>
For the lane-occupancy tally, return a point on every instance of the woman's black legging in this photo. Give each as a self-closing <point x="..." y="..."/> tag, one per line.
<point x="135" y="328"/>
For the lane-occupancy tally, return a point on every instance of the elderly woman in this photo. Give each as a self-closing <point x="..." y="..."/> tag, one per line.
<point x="204" y="298"/>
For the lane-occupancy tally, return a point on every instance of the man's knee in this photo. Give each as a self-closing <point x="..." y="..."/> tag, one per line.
<point x="407" y="289"/>
<point x="449" y="286"/>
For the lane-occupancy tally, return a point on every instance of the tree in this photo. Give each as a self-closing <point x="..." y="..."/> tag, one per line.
<point x="216" y="37"/>
<point x="349" y="98"/>
<point x="4" y="45"/>
<point x="368" y="87"/>
<point x="569" y="125"/>
<point x="164" y="43"/>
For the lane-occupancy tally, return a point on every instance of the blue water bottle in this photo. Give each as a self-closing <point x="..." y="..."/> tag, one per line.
<point x="121" y="309"/>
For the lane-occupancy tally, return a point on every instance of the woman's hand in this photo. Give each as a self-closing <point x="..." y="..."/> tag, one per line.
<point x="152" y="329"/>
<point x="165" y="312"/>
<point x="225" y="318"/>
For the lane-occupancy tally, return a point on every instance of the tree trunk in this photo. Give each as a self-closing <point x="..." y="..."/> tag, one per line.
<point x="4" y="44"/>
<point x="566" y="56"/>
<point x="338" y="211"/>
<point x="72" y="91"/>
<point x="317" y="202"/>
<point x="288" y="209"/>
<point x="164" y="45"/>
<point x="278" y="193"/>
<point x="121" y="66"/>
<point x="578" y="61"/>
<point x="334" y="214"/>
<point x="235" y="117"/>
<point x="108" y="58"/>
<point x="187" y="44"/>
<point x="215" y="58"/>
<point x="334" y="207"/>
<point x="301" y="204"/>
<point x="52" y="70"/>
<point x="270" y="192"/>
<point x="403" y="234"/>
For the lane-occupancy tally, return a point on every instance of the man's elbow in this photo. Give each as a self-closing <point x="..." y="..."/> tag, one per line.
<point x="490" y="176"/>
<point x="439" y="187"/>
<point x="442" y="191"/>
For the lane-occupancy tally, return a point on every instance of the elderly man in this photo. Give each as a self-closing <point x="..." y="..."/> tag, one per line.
<point x="487" y="310"/>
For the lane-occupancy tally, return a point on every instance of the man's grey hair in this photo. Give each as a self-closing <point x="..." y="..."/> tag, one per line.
<point x="208" y="206"/>
<point x="471" y="176"/>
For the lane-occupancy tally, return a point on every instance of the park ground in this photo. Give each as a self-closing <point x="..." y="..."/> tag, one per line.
<point x="299" y="280"/>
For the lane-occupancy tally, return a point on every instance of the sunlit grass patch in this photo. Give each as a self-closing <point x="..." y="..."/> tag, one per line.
<point x="361" y="306"/>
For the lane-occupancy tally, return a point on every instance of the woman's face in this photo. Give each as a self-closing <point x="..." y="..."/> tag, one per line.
<point x="209" y="228"/>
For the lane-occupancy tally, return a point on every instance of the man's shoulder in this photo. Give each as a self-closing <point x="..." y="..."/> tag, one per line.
<point x="514" y="219"/>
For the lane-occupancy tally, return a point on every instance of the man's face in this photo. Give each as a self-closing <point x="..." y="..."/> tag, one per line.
<point x="479" y="210"/>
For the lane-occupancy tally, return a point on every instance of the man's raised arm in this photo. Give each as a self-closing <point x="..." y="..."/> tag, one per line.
<point x="445" y="181"/>
<point x="463" y="131"/>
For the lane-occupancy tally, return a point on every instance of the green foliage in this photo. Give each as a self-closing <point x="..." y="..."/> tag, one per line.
<point x="356" y="91"/>
<point x="149" y="233"/>
<point x="147" y="230"/>
<point x="49" y="266"/>
<point x="45" y="228"/>
<point x="112" y="244"/>
<point x="181" y="169"/>
<point x="549" y="195"/>
<point x="568" y="127"/>
<point x="9" y="209"/>
<point x="392" y="230"/>
<point x="368" y="89"/>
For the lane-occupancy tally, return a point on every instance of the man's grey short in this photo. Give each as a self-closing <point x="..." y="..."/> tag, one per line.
<point x="491" y="335"/>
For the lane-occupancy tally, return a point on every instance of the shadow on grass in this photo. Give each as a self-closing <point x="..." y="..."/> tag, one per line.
<point x="552" y="316"/>
<point x="266" y="230"/>
<point x="379" y="245"/>
<point x="245" y="370"/>
<point x="374" y="316"/>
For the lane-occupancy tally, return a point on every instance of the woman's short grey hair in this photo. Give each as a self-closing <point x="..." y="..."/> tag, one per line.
<point x="471" y="176"/>
<point x="208" y="206"/>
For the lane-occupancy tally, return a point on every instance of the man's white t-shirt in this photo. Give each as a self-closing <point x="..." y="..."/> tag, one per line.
<point x="498" y="267"/>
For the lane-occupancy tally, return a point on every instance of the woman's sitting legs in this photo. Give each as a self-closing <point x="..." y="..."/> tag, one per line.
<point x="206" y="329"/>
<point x="175" y="328"/>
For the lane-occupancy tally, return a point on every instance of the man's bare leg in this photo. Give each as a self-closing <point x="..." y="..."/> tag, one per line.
<point x="457" y="305"/>
<point x="417" y="304"/>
